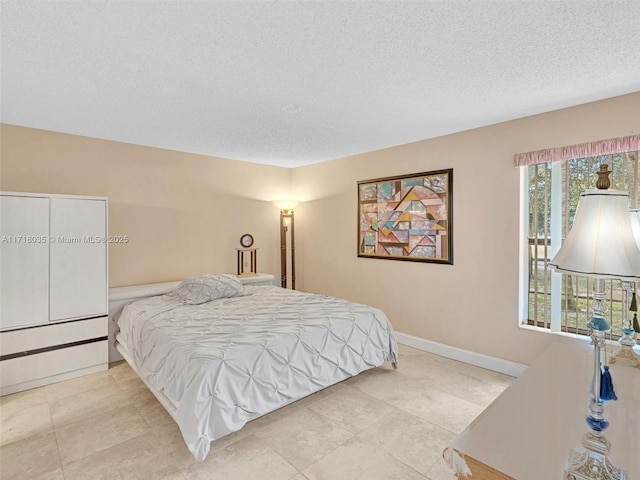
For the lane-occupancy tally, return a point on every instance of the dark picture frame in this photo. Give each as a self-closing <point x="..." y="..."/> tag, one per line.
<point x="407" y="217"/>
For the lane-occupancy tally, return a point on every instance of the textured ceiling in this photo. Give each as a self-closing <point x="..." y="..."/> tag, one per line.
<point x="297" y="82"/>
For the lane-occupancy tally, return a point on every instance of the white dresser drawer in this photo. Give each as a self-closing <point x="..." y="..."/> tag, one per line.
<point x="51" y="335"/>
<point x="30" y="371"/>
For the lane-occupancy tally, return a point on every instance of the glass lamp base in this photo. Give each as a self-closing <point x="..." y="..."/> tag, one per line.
<point x="627" y="356"/>
<point x="593" y="463"/>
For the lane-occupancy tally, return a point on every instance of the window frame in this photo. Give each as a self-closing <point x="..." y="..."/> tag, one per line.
<point x="555" y="323"/>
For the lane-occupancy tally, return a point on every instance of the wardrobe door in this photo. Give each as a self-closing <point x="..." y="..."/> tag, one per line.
<point x="78" y="258"/>
<point x="24" y="261"/>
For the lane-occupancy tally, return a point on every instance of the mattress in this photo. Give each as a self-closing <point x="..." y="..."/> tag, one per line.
<point x="228" y="361"/>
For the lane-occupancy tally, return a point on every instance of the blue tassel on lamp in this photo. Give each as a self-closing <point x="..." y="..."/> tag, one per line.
<point x="606" y="385"/>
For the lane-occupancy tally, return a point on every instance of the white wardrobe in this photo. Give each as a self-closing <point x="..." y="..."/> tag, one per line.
<point x="53" y="288"/>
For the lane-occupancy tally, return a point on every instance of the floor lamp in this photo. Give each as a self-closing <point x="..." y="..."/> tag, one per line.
<point x="287" y="225"/>
<point x="600" y="245"/>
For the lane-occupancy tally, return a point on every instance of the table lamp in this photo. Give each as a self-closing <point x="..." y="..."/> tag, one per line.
<point x="626" y="354"/>
<point x="630" y="325"/>
<point x="600" y="245"/>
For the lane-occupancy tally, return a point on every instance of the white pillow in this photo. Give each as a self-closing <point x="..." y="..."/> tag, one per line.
<point x="197" y="290"/>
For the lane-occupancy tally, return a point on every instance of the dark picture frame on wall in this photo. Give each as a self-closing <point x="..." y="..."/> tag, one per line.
<point x="407" y="217"/>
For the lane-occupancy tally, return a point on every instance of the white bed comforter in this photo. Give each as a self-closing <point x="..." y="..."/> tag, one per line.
<point x="231" y="360"/>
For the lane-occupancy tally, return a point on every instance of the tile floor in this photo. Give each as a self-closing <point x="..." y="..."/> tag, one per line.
<point x="382" y="424"/>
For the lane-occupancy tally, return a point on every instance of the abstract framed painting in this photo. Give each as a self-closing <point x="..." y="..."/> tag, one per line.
<point x="408" y="217"/>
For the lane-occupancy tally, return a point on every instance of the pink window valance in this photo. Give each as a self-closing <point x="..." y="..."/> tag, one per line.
<point x="582" y="150"/>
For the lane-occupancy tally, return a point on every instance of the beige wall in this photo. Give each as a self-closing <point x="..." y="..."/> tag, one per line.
<point x="472" y="304"/>
<point x="183" y="213"/>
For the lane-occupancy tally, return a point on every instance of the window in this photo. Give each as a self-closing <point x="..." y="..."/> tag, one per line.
<point x="562" y="302"/>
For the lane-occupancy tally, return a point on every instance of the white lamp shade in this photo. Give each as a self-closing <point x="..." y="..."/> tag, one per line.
<point x="635" y="224"/>
<point x="600" y="243"/>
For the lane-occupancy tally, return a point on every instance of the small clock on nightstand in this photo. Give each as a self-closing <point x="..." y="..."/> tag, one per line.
<point x="246" y="241"/>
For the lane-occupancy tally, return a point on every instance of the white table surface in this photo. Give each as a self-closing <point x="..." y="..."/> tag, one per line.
<point x="530" y="429"/>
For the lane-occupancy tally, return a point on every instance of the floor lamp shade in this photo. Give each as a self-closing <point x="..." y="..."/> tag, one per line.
<point x="600" y="243"/>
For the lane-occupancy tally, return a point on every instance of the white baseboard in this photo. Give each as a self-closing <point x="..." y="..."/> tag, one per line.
<point x="467" y="356"/>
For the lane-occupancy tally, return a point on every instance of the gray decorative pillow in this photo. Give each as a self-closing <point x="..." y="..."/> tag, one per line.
<point x="197" y="290"/>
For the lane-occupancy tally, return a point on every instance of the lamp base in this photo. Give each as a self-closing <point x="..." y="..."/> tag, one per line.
<point x="627" y="356"/>
<point x="593" y="464"/>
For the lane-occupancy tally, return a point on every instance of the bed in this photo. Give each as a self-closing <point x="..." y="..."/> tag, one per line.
<point x="219" y="357"/>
